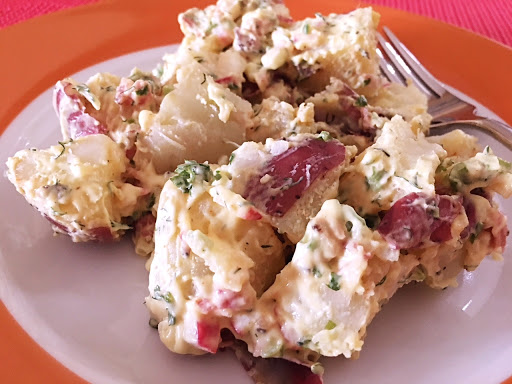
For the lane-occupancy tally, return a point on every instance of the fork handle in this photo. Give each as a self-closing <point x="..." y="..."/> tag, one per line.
<point x="501" y="131"/>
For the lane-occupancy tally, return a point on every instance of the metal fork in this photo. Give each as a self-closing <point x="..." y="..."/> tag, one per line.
<point x="397" y="63"/>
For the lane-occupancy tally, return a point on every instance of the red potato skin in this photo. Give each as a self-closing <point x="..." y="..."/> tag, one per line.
<point x="413" y="219"/>
<point x="208" y="336"/>
<point x="80" y="123"/>
<point x="291" y="174"/>
<point x="99" y="234"/>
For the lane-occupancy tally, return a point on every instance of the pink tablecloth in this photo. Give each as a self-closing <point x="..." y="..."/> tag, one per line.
<point x="491" y="18"/>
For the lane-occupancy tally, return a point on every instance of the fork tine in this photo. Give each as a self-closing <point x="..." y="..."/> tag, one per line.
<point x="388" y="69"/>
<point x="402" y="66"/>
<point x="414" y="63"/>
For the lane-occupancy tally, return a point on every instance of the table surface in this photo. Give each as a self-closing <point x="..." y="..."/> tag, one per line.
<point x="490" y="18"/>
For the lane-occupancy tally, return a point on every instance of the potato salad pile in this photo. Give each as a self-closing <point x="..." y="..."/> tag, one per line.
<point x="281" y="187"/>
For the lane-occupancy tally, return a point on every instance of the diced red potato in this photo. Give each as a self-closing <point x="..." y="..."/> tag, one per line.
<point x="449" y="208"/>
<point x="70" y="108"/>
<point x="208" y="336"/>
<point x="145" y="227"/>
<point x="83" y="124"/>
<point x="416" y="218"/>
<point x="252" y="214"/>
<point x="499" y="231"/>
<point x="291" y="174"/>
<point x="224" y="299"/>
<point x="100" y="234"/>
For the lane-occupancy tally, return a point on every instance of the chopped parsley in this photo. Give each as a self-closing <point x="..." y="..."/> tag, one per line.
<point x="330" y="325"/>
<point x="374" y="181"/>
<point x="189" y="173"/>
<point x="211" y="27"/>
<point x="306" y="29"/>
<point x="89" y="96"/>
<point x="171" y="319"/>
<point x="158" y="295"/>
<point x="325" y="136"/>
<point x="349" y="226"/>
<point x="382" y="281"/>
<point x="361" y="101"/>
<point x="334" y="284"/>
<point x="63" y="145"/>
<point x="505" y="164"/>
<point x="478" y="229"/>
<point x="231" y="158"/>
<point x="142" y="92"/>
<point x="303" y="342"/>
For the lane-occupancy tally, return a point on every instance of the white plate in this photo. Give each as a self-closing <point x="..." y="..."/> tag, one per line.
<point x="83" y="303"/>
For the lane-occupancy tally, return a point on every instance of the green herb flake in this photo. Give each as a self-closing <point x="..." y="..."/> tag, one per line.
<point x="63" y="145"/>
<point x="361" y="101"/>
<point x="316" y="272"/>
<point x="211" y="27"/>
<point x="330" y="325"/>
<point x="142" y="92"/>
<point x="303" y="342"/>
<point x="478" y="229"/>
<point x="189" y="173"/>
<point x="231" y="158"/>
<point x="367" y="82"/>
<point x="460" y="172"/>
<point x="168" y="297"/>
<point x="233" y="87"/>
<point x="349" y="225"/>
<point x="334" y="284"/>
<point x="171" y="319"/>
<point x="325" y="136"/>
<point x="505" y="164"/>
<point x="117" y="226"/>
<point x="373" y="182"/>
<point x="89" y="96"/>
<point x="313" y="244"/>
<point x="306" y="29"/>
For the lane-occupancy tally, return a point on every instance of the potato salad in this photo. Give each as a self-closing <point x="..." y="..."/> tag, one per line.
<point x="281" y="188"/>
